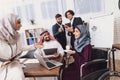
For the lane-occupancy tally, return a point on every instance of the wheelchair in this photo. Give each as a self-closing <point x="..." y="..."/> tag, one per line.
<point x="112" y="73"/>
<point x="98" y="62"/>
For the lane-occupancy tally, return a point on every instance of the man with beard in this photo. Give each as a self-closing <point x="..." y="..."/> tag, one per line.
<point x="47" y="41"/>
<point x="59" y="31"/>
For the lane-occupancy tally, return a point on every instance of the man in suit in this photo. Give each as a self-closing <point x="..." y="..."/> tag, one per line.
<point x="58" y="30"/>
<point x="74" y="22"/>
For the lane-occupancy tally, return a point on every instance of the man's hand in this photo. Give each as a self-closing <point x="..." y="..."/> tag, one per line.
<point x="71" y="52"/>
<point x="37" y="45"/>
<point x="60" y="29"/>
<point x="56" y="54"/>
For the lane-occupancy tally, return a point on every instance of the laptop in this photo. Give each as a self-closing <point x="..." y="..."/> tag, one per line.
<point x="49" y="64"/>
<point x="49" y="52"/>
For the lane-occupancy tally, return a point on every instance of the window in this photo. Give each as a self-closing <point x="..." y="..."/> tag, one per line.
<point x="49" y="9"/>
<point x="26" y="12"/>
<point x="63" y="6"/>
<point x="18" y="11"/>
<point x="32" y="35"/>
<point x="30" y="12"/>
<point x="88" y="6"/>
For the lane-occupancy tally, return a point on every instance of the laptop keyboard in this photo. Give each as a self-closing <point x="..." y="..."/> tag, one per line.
<point x="49" y="64"/>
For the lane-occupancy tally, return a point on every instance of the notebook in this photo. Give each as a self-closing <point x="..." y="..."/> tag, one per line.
<point x="49" y="64"/>
<point x="49" y="52"/>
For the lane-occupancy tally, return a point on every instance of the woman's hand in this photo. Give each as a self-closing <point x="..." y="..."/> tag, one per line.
<point x="71" y="52"/>
<point x="5" y="63"/>
<point x="37" y="45"/>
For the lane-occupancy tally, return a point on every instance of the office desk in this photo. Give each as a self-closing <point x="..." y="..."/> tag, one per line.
<point x="37" y="70"/>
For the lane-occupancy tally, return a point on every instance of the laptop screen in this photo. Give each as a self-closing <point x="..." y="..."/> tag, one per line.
<point x="49" y="64"/>
<point x="50" y="51"/>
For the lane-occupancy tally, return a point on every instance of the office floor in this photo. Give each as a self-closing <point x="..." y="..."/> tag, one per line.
<point x="117" y="61"/>
<point x="115" y="78"/>
<point x="117" y="64"/>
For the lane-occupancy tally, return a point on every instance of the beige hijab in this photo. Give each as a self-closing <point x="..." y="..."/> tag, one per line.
<point x="7" y="29"/>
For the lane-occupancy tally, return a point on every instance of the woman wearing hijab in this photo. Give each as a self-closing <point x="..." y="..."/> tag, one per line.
<point x="10" y="48"/>
<point x="81" y="54"/>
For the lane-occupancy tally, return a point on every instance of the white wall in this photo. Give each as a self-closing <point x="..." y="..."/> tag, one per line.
<point x="110" y="6"/>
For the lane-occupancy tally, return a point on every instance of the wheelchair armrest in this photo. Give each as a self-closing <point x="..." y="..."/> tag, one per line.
<point x="95" y="61"/>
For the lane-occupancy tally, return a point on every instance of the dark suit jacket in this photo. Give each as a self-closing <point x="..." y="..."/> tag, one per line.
<point x="59" y="36"/>
<point x="76" y="21"/>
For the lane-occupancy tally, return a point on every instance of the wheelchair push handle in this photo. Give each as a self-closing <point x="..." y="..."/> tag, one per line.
<point x="116" y="46"/>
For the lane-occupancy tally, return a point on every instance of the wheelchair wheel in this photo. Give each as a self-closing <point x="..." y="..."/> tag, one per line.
<point x="107" y="76"/>
<point x="104" y="76"/>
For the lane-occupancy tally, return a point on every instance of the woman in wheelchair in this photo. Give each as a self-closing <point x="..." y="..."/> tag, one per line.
<point x="81" y="54"/>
